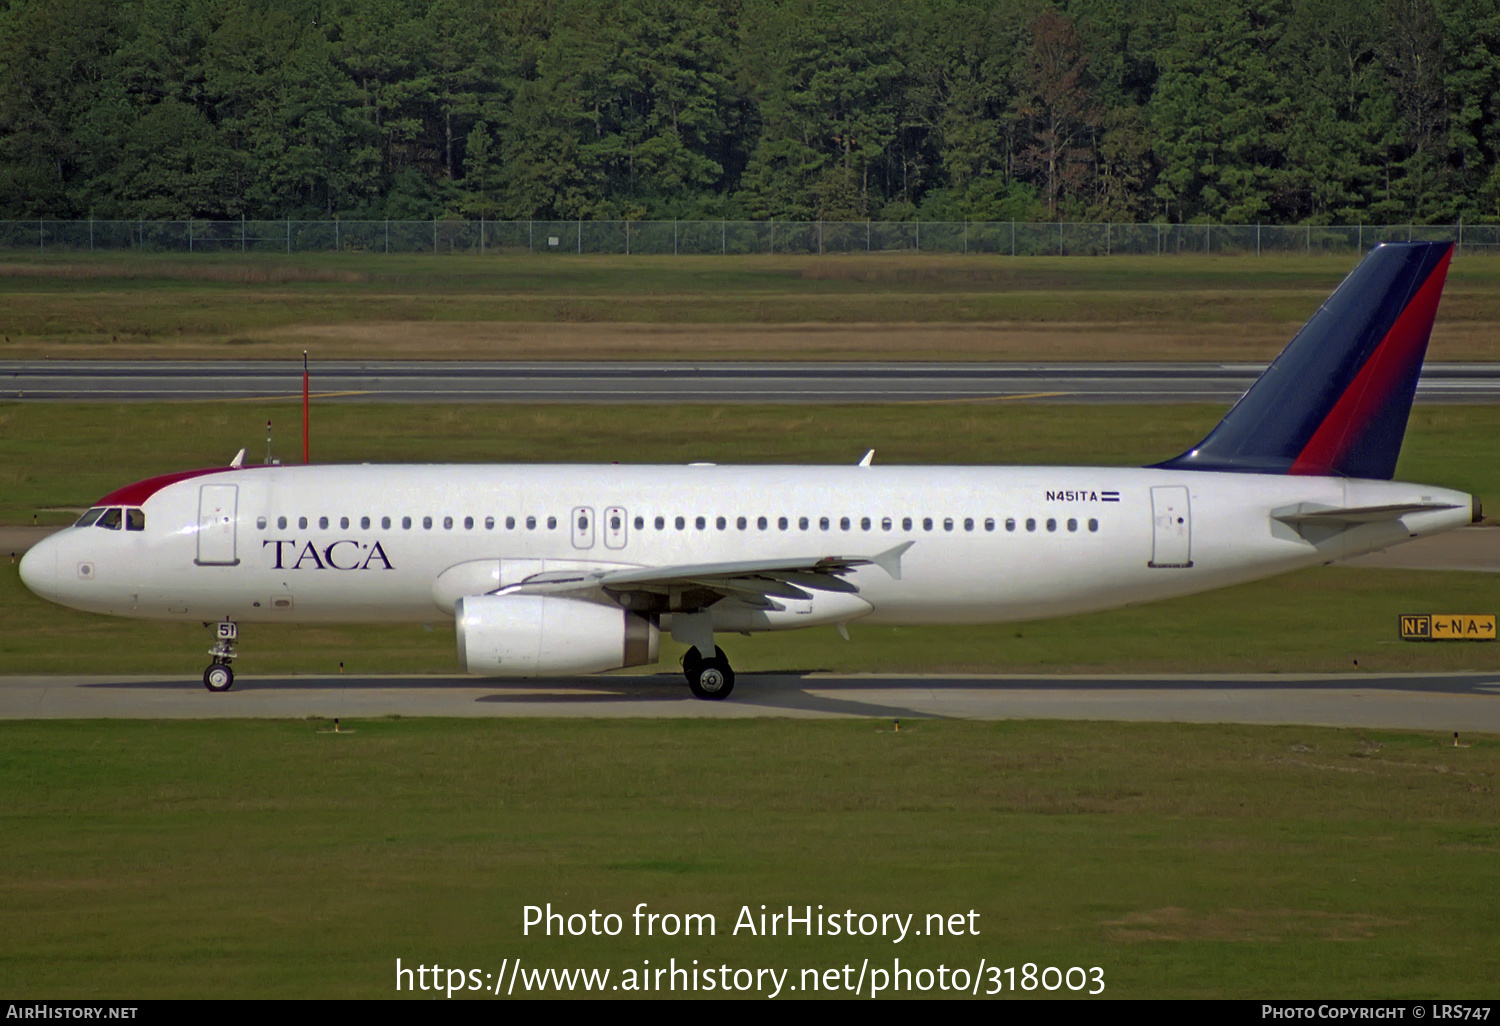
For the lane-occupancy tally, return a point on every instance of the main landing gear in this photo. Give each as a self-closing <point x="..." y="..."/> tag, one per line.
<point x="218" y="676"/>
<point x="708" y="678"/>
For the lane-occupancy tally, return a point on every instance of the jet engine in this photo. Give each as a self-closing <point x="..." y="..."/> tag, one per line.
<point x="544" y="635"/>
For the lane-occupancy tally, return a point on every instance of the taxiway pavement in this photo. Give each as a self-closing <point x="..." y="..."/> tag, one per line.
<point x="660" y="382"/>
<point x="1462" y="702"/>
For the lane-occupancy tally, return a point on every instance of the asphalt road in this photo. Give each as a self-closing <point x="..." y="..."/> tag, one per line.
<point x="1467" y="703"/>
<point x="631" y="382"/>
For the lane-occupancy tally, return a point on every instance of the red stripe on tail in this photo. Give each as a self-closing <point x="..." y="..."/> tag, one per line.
<point x="1390" y="364"/>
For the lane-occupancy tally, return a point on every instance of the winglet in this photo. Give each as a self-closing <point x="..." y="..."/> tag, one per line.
<point x="239" y="460"/>
<point x="869" y="456"/>
<point x="890" y="559"/>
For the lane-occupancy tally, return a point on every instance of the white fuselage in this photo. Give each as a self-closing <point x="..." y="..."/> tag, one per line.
<point x="991" y="544"/>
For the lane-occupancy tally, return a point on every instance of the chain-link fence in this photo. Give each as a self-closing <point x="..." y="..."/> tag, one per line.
<point x="1009" y="238"/>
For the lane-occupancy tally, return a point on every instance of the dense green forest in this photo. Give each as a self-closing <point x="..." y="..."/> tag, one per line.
<point x="1237" y="111"/>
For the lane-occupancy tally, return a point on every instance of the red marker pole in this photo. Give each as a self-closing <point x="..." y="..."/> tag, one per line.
<point x="304" y="406"/>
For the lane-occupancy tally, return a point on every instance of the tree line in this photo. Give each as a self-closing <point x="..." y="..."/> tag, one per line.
<point x="1230" y="111"/>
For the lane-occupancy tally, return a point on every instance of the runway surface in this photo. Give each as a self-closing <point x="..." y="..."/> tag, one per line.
<point x="637" y="382"/>
<point x="1468" y="703"/>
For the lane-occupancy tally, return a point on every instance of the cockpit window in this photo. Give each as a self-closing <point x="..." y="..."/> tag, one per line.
<point x="135" y="520"/>
<point x="89" y="517"/>
<point x="111" y="519"/>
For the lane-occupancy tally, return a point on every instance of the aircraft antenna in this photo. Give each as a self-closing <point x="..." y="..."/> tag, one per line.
<point x="304" y="406"/>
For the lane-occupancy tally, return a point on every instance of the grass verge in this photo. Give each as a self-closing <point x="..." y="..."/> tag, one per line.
<point x="120" y="305"/>
<point x="266" y="859"/>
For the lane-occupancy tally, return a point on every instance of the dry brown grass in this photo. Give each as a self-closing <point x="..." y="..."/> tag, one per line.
<point x="511" y="340"/>
<point x="266" y="272"/>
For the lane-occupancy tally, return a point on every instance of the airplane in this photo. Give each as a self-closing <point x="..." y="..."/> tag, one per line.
<point x="552" y="570"/>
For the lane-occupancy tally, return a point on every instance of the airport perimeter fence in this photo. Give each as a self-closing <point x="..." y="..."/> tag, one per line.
<point x="723" y="237"/>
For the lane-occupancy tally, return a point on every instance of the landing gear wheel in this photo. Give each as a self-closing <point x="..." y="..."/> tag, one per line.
<point x="692" y="662"/>
<point x="714" y="680"/>
<point x="218" y="677"/>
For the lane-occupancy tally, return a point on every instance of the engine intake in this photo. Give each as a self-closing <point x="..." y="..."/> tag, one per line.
<point x="544" y="635"/>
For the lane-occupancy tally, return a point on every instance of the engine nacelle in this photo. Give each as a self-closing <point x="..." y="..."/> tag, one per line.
<point x="544" y="635"/>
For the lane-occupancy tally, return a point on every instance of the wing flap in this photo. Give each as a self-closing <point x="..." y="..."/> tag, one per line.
<point x="772" y="578"/>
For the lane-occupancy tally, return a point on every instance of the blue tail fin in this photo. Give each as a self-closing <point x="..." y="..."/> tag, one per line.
<point x="1336" y="401"/>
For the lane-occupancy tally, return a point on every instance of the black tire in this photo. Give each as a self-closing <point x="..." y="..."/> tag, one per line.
<point x="692" y="662"/>
<point x="218" y="677"/>
<point x="714" y="680"/>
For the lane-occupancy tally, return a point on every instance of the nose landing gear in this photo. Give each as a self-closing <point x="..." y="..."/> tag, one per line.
<point x="218" y="676"/>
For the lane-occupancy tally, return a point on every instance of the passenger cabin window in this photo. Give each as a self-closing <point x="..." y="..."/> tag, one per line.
<point x="844" y="523"/>
<point x="906" y="523"/>
<point x="1072" y="524"/>
<point x="447" y="523"/>
<point x="721" y="523"/>
<point x="260" y="523"/>
<point x="968" y="523"/>
<point x="885" y="523"/>
<point x="489" y="523"/>
<point x="640" y="523"/>
<point x="681" y="523"/>
<point x="926" y="523"/>
<point x="426" y="523"/>
<point x="406" y="523"/>
<point x="531" y="523"/>
<point x="385" y="523"/>
<point x="1031" y="523"/>
<point x="802" y="523"/>
<point x="344" y="523"/>
<point x="135" y="520"/>
<point x="364" y="523"/>
<point x="468" y="523"/>
<point x="111" y="519"/>
<point x="551" y="523"/>
<point x="701" y="523"/>
<point x="762" y="523"/>
<point x="322" y="523"/>
<point x="1051" y="523"/>
<point x="1093" y="524"/>
<point x="661" y="523"/>
<point x="281" y="523"/>
<point x="781" y="523"/>
<point x="1010" y="523"/>
<point x="989" y="523"/>
<point x="510" y="523"/>
<point x="947" y="523"/>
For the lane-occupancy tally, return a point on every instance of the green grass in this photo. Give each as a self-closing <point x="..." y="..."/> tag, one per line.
<point x="1321" y="619"/>
<point x="264" y="859"/>
<point x="129" y="305"/>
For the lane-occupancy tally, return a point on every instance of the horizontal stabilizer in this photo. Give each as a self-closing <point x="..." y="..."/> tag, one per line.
<point x="1306" y="513"/>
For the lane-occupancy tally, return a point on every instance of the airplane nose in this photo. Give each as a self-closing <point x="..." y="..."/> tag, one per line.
<point x="39" y="567"/>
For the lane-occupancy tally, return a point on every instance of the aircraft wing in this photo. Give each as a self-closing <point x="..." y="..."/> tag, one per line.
<point x="753" y="580"/>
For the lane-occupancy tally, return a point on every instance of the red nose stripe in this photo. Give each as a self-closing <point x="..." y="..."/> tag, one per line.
<point x="1392" y="362"/>
<point x="138" y="493"/>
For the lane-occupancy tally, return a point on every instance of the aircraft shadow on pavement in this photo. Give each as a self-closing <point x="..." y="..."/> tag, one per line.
<point x="808" y="691"/>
